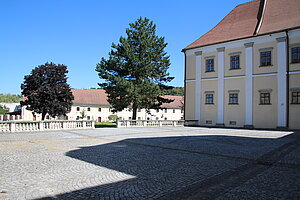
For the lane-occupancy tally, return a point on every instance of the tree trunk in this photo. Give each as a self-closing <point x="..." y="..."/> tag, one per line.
<point x="43" y="116"/>
<point x="134" y="111"/>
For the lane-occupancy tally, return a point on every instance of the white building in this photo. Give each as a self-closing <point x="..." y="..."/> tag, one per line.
<point x="92" y="104"/>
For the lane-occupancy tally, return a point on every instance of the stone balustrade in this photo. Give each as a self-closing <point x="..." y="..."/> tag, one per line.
<point x="149" y="123"/>
<point x="31" y="126"/>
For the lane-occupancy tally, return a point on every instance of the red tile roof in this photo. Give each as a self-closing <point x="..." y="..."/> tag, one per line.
<point x="279" y="15"/>
<point x="90" y="97"/>
<point x="243" y="20"/>
<point x="99" y="97"/>
<point x="177" y="103"/>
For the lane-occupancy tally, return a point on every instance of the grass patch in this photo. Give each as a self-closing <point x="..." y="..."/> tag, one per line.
<point x="105" y="124"/>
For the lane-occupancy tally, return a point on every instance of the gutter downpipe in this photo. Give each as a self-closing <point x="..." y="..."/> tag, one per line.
<point x="287" y="79"/>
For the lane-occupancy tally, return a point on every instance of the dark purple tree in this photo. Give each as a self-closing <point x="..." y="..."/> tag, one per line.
<point x="46" y="90"/>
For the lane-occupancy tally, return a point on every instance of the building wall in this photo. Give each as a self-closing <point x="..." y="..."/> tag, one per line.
<point x="234" y="114"/>
<point x="96" y="115"/>
<point x="265" y="46"/>
<point x="234" y="72"/>
<point x="191" y="67"/>
<point x="209" y="55"/>
<point x="209" y="111"/>
<point x="256" y="77"/>
<point x="265" y="116"/>
<point x="190" y="102"/>
<point x="294" y="114"/>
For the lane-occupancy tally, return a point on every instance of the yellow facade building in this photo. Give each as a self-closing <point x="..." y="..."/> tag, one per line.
<point x="245" y="72"/>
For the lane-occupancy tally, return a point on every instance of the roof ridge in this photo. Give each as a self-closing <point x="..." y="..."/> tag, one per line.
<point x="225" y="22"/>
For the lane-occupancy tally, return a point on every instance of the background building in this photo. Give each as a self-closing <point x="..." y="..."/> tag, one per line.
<point x="92" y="104"/>
<point x="245" y="72"/>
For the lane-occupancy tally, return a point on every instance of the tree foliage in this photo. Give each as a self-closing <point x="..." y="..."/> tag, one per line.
<point x="135" y="73"/>
<point x="176" y="91"/>
<point x="10" y="98"/>
<point x="3" y="110"/>
<point x="46" y="90"/>
<point x="113" y="118"/>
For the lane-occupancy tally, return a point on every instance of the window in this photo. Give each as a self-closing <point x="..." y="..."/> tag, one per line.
<point x="166" y="110"/>
<point x="88" y="109"/>
<point x="235" y="62"/>
<point x="77" y="118"/>
<point x="78" y="108"/>
<point x="296" y="55"/>
<point x="99" y="109"/>
<point x="139" y="118"/>
<point x="209" y="99"/>
<point x="265" y="58"/>
<point x="232" y="122"/>
<point x="173" y="110"/>
<point x="209" y="63"/>
<point x="139" y="110"/>
<point x="265" y="98"/>
<point x="88" y="117"/>
<point x="157" y="110"/>
<point x="233" y="98"/>
<point x="295" y="97"/>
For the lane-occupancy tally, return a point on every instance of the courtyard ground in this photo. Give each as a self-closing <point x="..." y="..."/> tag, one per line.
<point x="150" y="163"/>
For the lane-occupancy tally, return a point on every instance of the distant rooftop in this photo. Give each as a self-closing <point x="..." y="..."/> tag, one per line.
<point x="99" y="97"/>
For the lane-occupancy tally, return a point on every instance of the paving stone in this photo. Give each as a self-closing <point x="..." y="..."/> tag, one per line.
<point x="150" y="163"/>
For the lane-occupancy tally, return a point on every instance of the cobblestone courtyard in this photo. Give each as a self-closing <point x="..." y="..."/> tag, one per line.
<point x="150" y="163"/>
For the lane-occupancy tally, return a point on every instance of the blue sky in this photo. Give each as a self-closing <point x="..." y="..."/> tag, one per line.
<point x="78" y="33"/>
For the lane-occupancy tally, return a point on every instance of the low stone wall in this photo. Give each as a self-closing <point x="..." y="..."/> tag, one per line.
<point x="30" y="126"/>
<point x="148" y="123"/>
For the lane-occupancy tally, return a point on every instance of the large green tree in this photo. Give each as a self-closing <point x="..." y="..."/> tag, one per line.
<point x="135" y="73"/>
<point x="46" y="90"/>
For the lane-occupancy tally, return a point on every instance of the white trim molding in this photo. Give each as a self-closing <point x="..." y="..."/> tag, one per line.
<point x="221" y="66"/>
<point x="249" y="85"/>
<point x="190" y="80"/>
<point x="281" y="82"/>
<point x="198" y="86"/>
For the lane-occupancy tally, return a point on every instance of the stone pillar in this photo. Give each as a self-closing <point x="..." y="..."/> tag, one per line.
<point x="281" y="82"/>
<point x="249" y="85"/>
<point x="221" y="66"/>
<point x="198" y="86"/>
<point x="12" y="127"/>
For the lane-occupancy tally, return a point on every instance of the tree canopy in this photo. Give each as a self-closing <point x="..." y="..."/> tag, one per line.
<point x="46" y="90"/>
<point x="176" y="91"/>
<point x="135" y="73"/>
<point x="10" y="98"/>
<point x="3" y="110"/>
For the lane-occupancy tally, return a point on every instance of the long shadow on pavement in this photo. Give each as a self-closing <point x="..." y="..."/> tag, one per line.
<point x="193" y="167"/>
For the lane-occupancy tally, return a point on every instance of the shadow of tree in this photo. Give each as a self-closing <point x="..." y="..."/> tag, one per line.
<point x="177" y="167"/>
